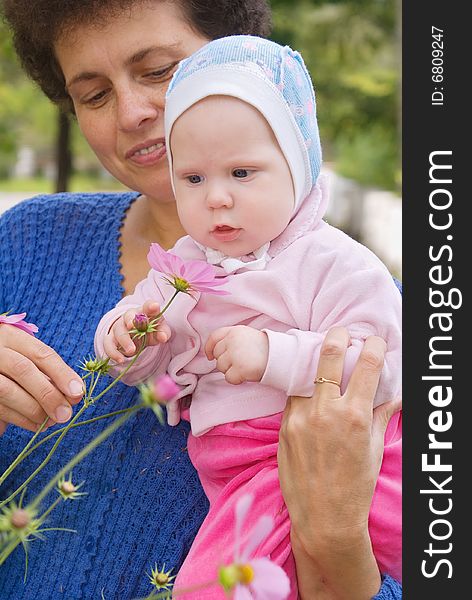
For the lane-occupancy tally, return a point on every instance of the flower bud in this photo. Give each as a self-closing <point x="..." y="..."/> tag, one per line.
<point x="141" y="322"/>
<point x="20" y="518"/>
<point x="164" y="388"/>
<point x="228" y="577"/>
<point x="68" y="487"/>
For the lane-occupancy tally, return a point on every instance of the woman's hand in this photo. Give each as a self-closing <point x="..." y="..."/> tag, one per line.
<point x="34" y="382"/>
<point x="330" y="454"/>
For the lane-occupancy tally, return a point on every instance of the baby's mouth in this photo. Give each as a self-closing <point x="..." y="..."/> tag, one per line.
<point x="225" y="233"/>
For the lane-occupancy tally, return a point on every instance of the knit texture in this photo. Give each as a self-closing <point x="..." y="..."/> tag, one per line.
<point x="59" y="262"/>
<point x="390" y="590"/>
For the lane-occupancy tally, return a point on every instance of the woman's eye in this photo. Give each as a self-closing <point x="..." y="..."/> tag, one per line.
<point x="162" y="73"/>
<point x="96" y="99"/>
<point x="240" y="173"/>
<point x="194" y="179"/>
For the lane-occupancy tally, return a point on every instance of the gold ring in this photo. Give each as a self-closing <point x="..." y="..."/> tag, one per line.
<point x="324" y="380"/>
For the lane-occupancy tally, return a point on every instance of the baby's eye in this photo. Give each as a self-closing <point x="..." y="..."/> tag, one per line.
<point x="241" y="173"/>
<point x="194" y="179"/>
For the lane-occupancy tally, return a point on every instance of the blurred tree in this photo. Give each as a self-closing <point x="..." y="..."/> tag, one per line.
<point x="349" y="47"/>
<point x="27" y="118"/>
<point x="63" y="152"/>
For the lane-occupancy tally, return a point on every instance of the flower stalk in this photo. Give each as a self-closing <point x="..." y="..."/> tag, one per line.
<point x="20" y="526"/>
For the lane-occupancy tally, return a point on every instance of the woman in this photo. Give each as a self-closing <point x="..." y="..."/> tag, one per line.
<point x="111" y="61"/>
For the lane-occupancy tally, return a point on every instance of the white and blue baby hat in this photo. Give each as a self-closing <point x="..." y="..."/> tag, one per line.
<point x="266" y="75"/>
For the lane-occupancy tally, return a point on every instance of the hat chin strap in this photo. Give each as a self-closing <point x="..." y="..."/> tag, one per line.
<point x="256" y="261"/>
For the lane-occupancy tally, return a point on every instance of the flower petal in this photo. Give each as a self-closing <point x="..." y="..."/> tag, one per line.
<point x="200" y="275"/>
<point x="164" y="262"/>
<point x="241" y="592"/>
<point x="30" y="328"/>
<point x="241" y="509"/>
<point x="258" y="534"/>
<point x="209" y="290"/>
<point x="12" y="319"/>
<point x="270" y="581"/>
<point x="17" y="321"/>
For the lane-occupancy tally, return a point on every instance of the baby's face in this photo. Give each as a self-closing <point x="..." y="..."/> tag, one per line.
<point x="232" y="183"/>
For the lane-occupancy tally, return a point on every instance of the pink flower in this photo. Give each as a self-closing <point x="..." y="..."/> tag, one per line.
<point x="164" y="388"/>
<point x="141" y="322"/>
<point x="18" y="321"/>
<point x="259" y="578"/>
<point x="185" y="276"/>
<point x="158" y="391"/>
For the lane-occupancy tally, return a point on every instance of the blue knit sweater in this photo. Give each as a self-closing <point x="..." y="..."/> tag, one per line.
<point x="59" y="262"/>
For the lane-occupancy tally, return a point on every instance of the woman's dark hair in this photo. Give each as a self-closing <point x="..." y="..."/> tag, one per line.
<point x="37" y="24"/>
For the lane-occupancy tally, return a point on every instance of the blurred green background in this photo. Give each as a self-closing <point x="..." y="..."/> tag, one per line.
<point x="352" y="49"/>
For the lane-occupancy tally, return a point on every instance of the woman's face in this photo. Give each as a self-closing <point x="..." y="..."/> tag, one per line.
<point x="117" y="75"/>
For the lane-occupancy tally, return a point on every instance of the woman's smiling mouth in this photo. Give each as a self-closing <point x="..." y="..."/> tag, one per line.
<point x="147" y="153"/>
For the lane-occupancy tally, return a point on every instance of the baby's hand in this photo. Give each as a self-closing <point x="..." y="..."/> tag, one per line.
<point x="118" y="343"/>
<point x="241" y="353"/>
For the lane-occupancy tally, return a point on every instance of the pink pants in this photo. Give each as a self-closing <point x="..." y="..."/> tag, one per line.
<point x="239" y="458"/>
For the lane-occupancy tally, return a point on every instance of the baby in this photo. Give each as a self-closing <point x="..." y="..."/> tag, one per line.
<point x="244" y="153"/>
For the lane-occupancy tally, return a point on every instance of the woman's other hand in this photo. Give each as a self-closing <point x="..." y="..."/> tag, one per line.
<point x="34" y="382"/>
<point x="330" y="453"/>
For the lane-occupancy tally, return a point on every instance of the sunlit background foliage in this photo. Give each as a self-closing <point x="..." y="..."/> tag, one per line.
<point x="352" y="49"/>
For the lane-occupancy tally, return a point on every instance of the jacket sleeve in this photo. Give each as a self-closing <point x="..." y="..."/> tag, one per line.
<point x="366" y="303"/>
<point x="154" y="359"/>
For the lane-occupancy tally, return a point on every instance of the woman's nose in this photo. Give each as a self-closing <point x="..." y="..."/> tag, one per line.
<point x="136" y="108"/>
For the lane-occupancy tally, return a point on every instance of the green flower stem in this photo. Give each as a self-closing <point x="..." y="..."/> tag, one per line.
<point x="120" y="376"/>
<point x="66" y="429"/>
<point x="83" y="453"/>
<point x="86" y="422"/>
<point x="47" y="459"/>
<point x="9" y="549"/>
<point x="167" y="305"/>
<point x="17" y="540"/>
<point x="23" y="453"/>
<point x="51" y="508"/>
<point x="173" y="594"/>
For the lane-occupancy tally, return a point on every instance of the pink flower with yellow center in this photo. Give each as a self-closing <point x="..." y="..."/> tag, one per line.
<point x="18" y="321"/>
<point x="257" y="578"/>
<point x="185" y="276"/>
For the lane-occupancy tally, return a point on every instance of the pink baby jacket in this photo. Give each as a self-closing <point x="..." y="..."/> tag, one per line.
<point x="317" y="278"/>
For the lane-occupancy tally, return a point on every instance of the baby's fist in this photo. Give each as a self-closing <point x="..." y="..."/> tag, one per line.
<point x="241" y="353"/>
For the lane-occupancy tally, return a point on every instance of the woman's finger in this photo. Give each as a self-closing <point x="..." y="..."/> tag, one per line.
<point x="365" y="377"/>
<point x="46" y="360"/>
<point x="331" y="363"/>
<point x="381" y="418"/>
<point x="18" y="370"/>
<point x="16" y="398"/>
<point x="7" y="416"/>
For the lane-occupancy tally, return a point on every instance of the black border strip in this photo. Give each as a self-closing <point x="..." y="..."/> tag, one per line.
<point x="436" y="234"/>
